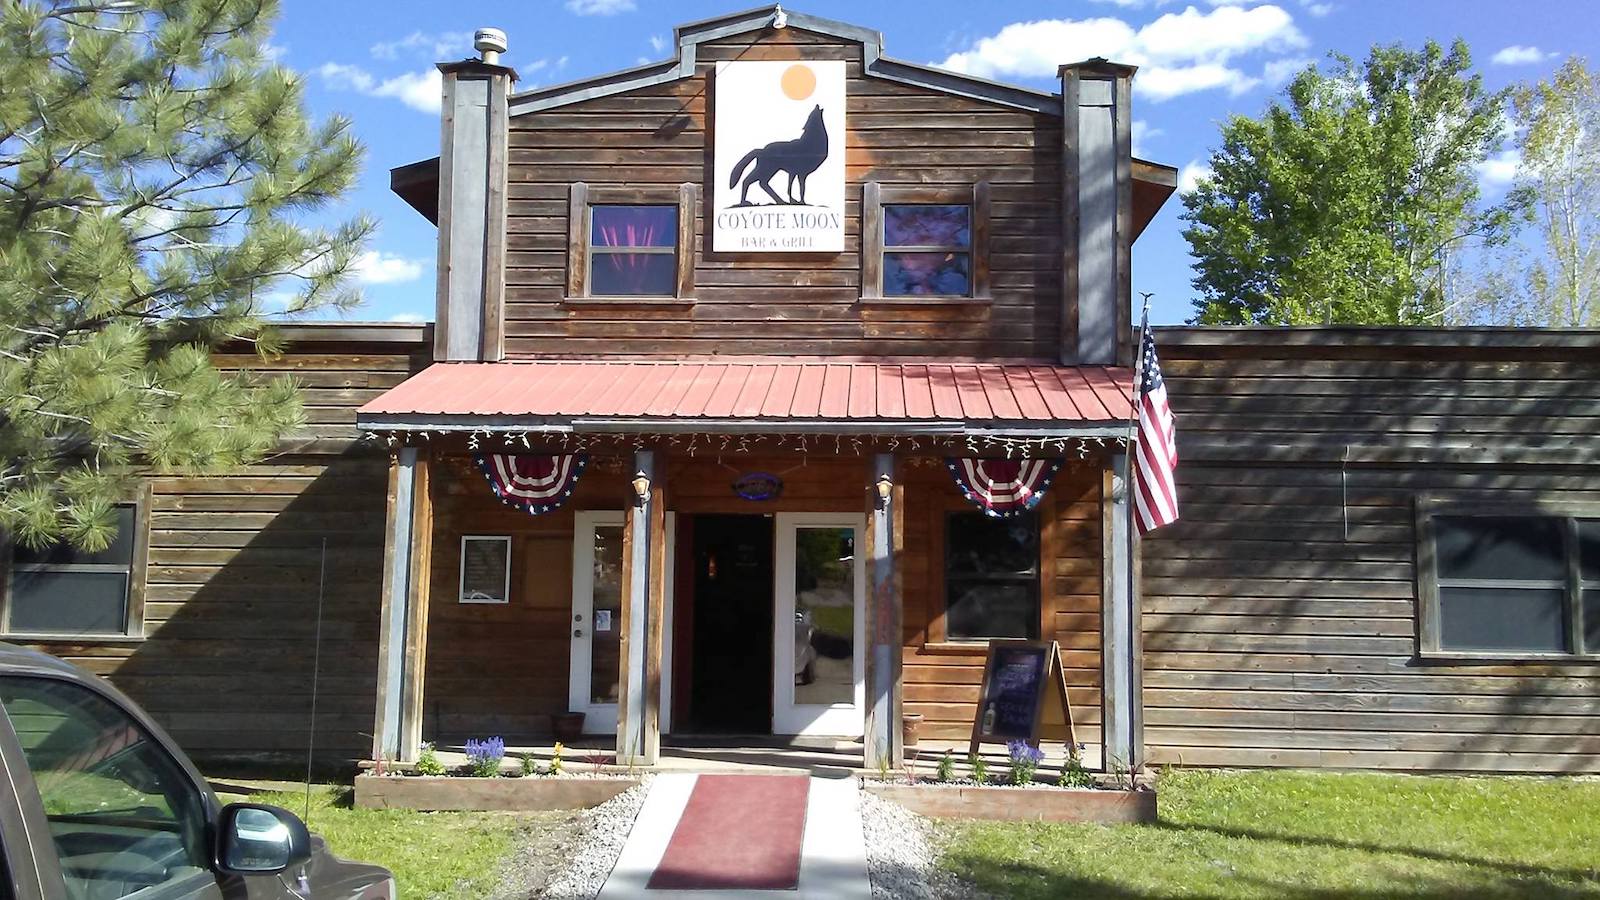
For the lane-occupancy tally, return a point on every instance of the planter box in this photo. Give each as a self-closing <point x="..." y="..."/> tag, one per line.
<point x="1009" y="804"/>
<point x="434" y="793"/>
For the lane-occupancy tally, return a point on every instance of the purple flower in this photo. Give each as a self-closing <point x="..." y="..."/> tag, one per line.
<point x="1025" y="753"/>
<point x="489" y="750"/>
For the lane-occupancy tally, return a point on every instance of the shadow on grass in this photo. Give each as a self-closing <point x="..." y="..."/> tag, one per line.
<point x="1012" y="878"/>
<point x="1516" y="870"/>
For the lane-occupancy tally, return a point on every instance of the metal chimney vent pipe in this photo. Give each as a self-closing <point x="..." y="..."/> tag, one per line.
<point x="490" y="43"/>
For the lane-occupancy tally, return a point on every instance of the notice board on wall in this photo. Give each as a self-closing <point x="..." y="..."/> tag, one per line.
<point x="1020" y="679"/>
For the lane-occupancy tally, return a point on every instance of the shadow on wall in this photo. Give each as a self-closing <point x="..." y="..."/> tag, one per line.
<point x="235" y="570"/>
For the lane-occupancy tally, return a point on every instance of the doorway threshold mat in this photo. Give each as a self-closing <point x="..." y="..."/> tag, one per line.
<point x="737" y="832"/>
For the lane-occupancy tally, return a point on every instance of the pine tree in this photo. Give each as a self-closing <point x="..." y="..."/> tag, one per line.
<point x="158" y="173"/>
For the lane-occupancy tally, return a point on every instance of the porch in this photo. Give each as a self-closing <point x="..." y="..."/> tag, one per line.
<point x="702" y="583"/>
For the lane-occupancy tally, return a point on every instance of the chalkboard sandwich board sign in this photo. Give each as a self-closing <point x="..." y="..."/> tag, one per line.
<point x="1018" y="677"/>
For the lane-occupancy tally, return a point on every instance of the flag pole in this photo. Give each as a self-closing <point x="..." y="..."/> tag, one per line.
<point x="1138" y="373"/>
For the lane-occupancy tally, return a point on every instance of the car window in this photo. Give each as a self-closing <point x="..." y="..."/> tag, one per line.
<point x="123" y="814"/>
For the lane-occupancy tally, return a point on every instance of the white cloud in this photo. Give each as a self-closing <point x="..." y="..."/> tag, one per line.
<point x="1518" y="55"/>
<point x="1189" y="176"/>
<point x="1500" y="169"/>
<point x="373" y="267"/>
<point x="418" y="90"/>
<point x="1179" y="52"/>
<point x="1143" y="133"/>
<point x="444" y="45"/>
<point x="1161" y="83"/>
<point x="658" y="43"/>
<point x="1318" y="9"/>
<point x="274" y="52"/>
<point x="600" y="7"/>
<point x="1278" y="71"/>
<point x="408" y="317"/>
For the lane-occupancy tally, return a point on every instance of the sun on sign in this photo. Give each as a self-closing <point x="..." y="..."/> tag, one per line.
<point x="778" y="157"/>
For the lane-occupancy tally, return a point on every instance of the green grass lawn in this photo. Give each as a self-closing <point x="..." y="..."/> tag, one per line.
<point x="1308" y="836"/>
<point x="433" y="855"/>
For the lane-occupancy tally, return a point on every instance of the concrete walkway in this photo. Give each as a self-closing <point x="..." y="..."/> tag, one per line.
<point x="833" y="853"/>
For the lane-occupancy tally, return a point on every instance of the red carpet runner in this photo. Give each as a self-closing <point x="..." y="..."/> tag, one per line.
<point x="737" y="831"/>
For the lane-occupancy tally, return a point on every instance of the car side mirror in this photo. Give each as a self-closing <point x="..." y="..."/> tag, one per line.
<point x="256" y="839"/>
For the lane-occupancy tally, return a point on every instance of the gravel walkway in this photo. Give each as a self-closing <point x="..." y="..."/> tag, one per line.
<point x="902" y="856"/>
<point x="599" y="834"/>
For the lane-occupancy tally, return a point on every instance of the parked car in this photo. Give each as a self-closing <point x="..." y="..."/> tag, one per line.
<point x="98" y="803"/>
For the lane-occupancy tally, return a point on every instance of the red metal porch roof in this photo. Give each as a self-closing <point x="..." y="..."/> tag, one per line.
<point x="762" y="390"/>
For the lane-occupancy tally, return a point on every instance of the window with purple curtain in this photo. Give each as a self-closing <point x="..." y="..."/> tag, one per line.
<point x="633" y="251"/>
<point x="927" y="249"/>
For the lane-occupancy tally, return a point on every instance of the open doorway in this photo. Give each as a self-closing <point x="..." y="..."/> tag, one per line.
<point x="730" y="690"/>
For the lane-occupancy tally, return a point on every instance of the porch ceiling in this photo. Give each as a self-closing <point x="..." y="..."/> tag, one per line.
<point x="759" y="394"/>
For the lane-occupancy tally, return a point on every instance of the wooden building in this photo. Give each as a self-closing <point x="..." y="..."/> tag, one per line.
<point x="738" y="327"/>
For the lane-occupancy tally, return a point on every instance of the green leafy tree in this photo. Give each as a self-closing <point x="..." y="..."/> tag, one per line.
<point x="157" y="175"/>
<point x="1551" y="276"/>
<point x="1346" y="201"/>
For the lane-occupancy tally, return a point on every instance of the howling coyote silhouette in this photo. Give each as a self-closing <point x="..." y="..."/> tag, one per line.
<point x="799" y="157"/>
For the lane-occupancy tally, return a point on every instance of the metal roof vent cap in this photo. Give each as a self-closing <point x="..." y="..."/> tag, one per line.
<point x="490" y="43"/>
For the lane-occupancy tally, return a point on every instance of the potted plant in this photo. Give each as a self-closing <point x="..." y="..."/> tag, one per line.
<point x="568" y="726"/>
<point x="910" y="729"/>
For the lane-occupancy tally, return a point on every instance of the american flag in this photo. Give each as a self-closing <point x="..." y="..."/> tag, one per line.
<point x="1156" y="463"/>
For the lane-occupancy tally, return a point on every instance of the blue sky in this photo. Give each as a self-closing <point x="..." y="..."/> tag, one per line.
<point x="1199" y="62"/>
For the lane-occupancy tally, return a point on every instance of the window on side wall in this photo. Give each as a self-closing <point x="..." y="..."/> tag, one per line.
<point x="632" y="245"/>
<point x="991" y="576"/>
<point x="1509" y="583"/>
<point x="925" y="244"/>
<point x="62" y="591"/>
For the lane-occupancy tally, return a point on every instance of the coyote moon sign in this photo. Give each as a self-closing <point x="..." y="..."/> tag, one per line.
<point x="778" y="157"/>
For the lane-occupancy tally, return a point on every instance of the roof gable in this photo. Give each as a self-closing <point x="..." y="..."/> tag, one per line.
<point x="874" y="64"/>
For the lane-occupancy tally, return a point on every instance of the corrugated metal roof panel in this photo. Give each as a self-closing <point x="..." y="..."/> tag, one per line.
<point x="758" y="390"/>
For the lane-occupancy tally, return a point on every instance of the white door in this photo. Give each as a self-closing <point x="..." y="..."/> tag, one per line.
<point x="819" y="634"/>
<point x="596" y="662"/>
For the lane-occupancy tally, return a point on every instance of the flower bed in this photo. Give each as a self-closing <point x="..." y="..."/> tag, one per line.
<point x="488" y="781"/>
<point x="439" y="792"/>
<point x="1018" y="792"/>
<point x="1012" y="803"/>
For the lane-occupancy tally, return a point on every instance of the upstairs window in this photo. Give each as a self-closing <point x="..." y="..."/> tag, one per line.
<point x="927" y="249"/>
<point x="924" y="244"/>
<point x="631" y="245"/>
<point x="633" y="251"/>
<point x="61" y="591"/>
<point x="1501" y="583"/>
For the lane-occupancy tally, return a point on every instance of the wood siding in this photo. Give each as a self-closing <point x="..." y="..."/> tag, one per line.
<point x="503" y="669"/>
<point x="942" y="678"/>
<point x="1280" y="612"/>
<point x="656" y="138"/>
<point x="234" y="565"/>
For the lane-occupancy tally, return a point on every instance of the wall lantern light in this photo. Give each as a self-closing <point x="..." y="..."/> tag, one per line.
<point x="885" y="488"/>
<point x="641" y="489"/>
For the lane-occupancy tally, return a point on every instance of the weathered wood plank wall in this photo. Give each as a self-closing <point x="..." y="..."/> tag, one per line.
<point x="1275" y="633"/>
<point x="503" y="669"/>
<point x="898" y="134"/>
<point x="233" y="570"/>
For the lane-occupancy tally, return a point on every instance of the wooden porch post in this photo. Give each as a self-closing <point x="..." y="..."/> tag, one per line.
<point x="885" y="527"/>
<point x="1121" y="699"/>
<point x="403" y="619"/>
<point x="643" y="606"/>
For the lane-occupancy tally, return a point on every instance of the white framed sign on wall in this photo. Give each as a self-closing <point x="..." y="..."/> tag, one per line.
<point x="777" y="159"/>
<point x="485" y="569"/>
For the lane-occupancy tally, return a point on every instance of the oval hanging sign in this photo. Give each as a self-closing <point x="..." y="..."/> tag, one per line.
<point x="758" y="486"/>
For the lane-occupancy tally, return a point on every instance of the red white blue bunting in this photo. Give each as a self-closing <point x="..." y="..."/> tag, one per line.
<point x="533" y="483"/>
<point x="1003" y="487"/>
